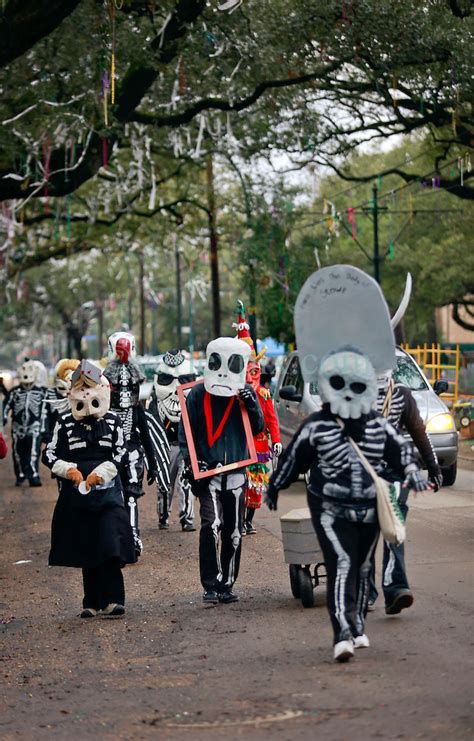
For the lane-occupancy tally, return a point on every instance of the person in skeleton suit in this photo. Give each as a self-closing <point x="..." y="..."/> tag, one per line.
<point x="257" y="473"/>
<point x="344" y="337"/>
<point x="173" y="370"/>
<point x="219" y="438"/>
<point x="124" y="377"/>
<point x="55" y="400"/>
<point x="90" y="528"/>
<point x="24" y="403"/>
<point x="396" y="404"/>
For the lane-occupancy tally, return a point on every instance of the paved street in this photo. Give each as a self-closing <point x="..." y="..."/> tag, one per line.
<point x="259" y="669"/>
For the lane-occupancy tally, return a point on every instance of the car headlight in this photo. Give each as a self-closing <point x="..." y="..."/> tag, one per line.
<point x="441" y="423"/>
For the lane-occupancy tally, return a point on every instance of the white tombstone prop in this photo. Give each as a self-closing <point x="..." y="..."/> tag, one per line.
<point x="341" y="307"/>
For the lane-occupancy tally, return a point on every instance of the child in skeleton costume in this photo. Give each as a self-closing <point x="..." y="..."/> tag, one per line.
<point x="173" y="370"/>
<point x="142" y="437"/>
<point x="344" y="338"/>
<point x="25" y="405"/>
<point x="55" y="400"/>
<point x="257" y="473"/>
<point x="90" y="528"/>
<point x="219" y="438"/>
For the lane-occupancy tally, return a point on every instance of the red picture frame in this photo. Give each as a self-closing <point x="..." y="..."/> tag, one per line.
<point x="190" y="440"/>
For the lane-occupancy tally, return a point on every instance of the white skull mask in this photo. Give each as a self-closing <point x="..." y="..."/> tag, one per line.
<point x="89" y="393"/>
<point x="121" y="346"/>
<point x="226" y="366"/>
<point x="27" y="373"/>
<point x="90" y="401"/>
<point x="347" y="382"/>
<point x="61" y="386"/>
<point x="173" y="370"/>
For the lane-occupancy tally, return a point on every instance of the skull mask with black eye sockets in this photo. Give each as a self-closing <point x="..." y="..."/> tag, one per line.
<point x="27" y="373"/>
<point x="90" y="400"/>
<point x="348" y="383"/>
<point x="226" y="366"/>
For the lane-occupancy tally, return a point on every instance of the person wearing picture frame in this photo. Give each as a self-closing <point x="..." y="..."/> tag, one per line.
<point x="220" y="417"/>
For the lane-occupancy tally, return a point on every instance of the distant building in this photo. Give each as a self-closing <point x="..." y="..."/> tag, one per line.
<point x="449" y="330"/>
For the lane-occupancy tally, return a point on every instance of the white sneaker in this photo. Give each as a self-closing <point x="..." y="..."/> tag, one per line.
<point x="343" y="651"/>
<point x="361" y="641"/>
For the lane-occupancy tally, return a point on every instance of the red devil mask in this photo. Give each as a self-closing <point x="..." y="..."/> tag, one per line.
<point x="253" y="373"/>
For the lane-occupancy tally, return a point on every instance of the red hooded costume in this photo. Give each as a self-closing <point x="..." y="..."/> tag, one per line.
<point x="258" y="472"/>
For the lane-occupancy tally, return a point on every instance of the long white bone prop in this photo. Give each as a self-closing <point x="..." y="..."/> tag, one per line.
<point x="398" y="316"/>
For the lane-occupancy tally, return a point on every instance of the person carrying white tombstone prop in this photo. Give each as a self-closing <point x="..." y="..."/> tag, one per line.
<point x="344" y="338"/>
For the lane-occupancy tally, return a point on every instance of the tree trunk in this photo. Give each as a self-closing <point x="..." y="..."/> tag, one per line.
<point x="432" y="332"/>
<point x="142" y="302"/>
<point x="100" y="327"/>
<point x="213" y="244"/>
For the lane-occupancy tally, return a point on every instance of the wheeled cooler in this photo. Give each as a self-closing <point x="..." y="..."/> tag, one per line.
<point x="301" y="548"/>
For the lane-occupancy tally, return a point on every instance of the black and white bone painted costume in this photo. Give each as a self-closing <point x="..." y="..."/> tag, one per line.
<point x="344" y="337"/>
<point x="397" y="404"/>
<point x="55" y="401"/>
<point x="221" y="497"/>
<point x="24" y="404"/>
<point x="90" y="527"/>
<point x="54" y="404"/>
<point x="173" y="370"/>
<point x="124" y="377"/>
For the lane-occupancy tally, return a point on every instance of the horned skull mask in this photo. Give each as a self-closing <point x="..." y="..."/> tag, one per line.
<point x="348" y="383"/>
<point x="226" y="365"/>
<point x="173" y="370"/>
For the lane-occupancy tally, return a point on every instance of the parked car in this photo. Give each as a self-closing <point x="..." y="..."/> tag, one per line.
<point x="295" y="400"/>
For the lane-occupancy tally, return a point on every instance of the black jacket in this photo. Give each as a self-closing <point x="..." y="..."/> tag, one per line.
<point x="231" y="445"/>
<point x="403" y="414"/>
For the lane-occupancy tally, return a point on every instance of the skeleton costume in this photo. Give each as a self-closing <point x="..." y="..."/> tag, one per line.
<point x="344" y="338"/>
<point x="145" y="444"/>
<point x="219" y="439"/>
<point x="90" y="528"/>
<point x="25" y="405"/>
<point x="55" y="400"/>
<point x="173" y="370"/>
<point x="268" y="441"/>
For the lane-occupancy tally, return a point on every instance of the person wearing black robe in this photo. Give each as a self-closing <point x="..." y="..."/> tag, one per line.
<point x="90" y="528"/>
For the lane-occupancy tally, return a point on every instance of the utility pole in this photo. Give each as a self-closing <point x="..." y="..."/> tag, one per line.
<point x="191" y="316"/>
<point x="252" y="262"/>
<point x="179" y="317"/>
<point x="374" y="210"/>
<point x="216" y="300"/>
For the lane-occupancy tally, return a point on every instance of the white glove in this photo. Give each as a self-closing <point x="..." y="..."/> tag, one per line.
<point x="277" y="449"/>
